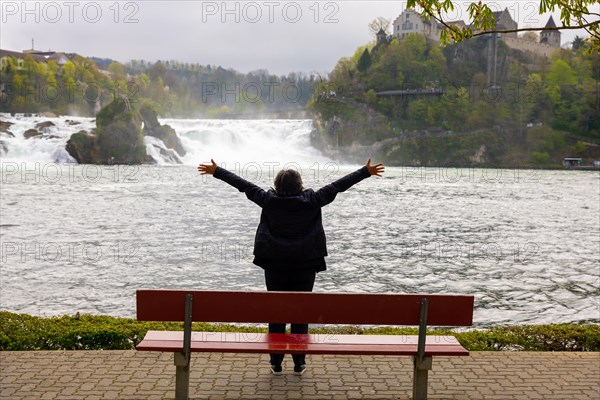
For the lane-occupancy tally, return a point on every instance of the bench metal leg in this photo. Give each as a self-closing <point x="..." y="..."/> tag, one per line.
<point x="421" y="370"/>
<point x="182" y="359"/>
<point x="182" y="376"/>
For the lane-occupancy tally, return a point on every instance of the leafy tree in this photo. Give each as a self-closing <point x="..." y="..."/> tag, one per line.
<point x="535" y="102"/>
<point x="118" y="74"/>
<point x="30" y="66"/>
<point x="69" y="69"/>
<point x="342" y="75"/>
<point x="371" y="97"/>
<point x="364" y="62"/>
<point x="561" y="74"/>
<point x="385" y="72"/>
<point x="531" y="37"/>
<point x="540" y="157"/>
<point x="579" y="148"/>
<point x="455" y="104"/>
<point x="578" y="43"/>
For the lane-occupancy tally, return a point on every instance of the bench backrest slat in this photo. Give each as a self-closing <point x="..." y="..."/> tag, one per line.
<point x="298" y="307"/>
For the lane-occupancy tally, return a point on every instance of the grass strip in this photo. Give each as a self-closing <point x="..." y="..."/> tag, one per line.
<point x="96" y="332"/>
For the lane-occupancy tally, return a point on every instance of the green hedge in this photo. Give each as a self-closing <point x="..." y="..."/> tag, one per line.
<point x="92" y="332"/>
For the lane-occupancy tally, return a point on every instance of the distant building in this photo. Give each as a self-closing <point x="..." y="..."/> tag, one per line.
<point x="410" y="21"/>
<point x="60" y="58"/>
<point x="20" y="58"/>
<point x="570" y="162"/>
<point x="38" y="56"/>
<point x="551" y="38"/>
<point x="505" y="22"/>
<point x="382" y="37"/>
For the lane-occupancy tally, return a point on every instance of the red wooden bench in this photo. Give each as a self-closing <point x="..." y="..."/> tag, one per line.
<point x="303" y="307"/>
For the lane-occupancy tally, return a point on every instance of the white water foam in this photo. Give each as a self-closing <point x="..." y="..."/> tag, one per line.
<point x="227" y="141"/>
<point x="246" y="141"/>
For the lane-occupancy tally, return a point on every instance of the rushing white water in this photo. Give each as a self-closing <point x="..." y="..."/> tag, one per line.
<point x="245" y="141"/>
<point x="228" y="141"/>
<point x="49" y="147"/>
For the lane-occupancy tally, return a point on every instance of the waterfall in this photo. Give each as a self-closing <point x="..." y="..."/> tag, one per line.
<point x="229" y="141"/>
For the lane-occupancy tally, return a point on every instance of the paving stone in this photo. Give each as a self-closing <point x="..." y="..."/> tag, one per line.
<point x="130" y="375"/>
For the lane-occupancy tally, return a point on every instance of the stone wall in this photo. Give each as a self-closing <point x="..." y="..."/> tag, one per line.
<point x="540" y="49"/>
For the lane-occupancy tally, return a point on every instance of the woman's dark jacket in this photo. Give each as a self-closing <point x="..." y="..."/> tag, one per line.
<point x="290" y="233"/>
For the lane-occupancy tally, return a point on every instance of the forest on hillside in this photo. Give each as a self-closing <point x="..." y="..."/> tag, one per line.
<point x="547" y="108"/>
<point x="561" y="91"/>
<point x="84" y="85"/>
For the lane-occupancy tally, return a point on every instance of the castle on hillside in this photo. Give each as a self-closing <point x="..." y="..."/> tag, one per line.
<point x="411" y="21"/>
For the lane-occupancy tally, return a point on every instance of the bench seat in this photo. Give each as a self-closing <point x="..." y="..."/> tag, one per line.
<point x="243" y="342"/>
<point x="303" y="308"/>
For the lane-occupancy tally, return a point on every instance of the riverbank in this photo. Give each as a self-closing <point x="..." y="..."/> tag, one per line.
<point x="93" y="332"/>
<point x="364" y="134"/>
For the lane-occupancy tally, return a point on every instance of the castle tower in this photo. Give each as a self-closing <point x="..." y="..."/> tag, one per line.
<point x="381" y="36"/>
<point x="551" y="38"/>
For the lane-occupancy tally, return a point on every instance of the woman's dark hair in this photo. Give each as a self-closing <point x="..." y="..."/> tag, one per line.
<point x="288" y="182"/>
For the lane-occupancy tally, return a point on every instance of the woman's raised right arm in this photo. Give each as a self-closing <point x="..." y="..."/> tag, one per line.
<point x="327" y="193"/>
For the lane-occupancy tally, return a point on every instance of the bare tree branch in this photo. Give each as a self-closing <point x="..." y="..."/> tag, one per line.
<point x="558" y="28"/>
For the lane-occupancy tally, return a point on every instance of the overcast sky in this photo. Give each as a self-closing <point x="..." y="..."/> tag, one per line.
<point x="280" y="36"/>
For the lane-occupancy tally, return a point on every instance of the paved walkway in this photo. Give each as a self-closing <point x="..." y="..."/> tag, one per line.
<point x="92" y="375"/>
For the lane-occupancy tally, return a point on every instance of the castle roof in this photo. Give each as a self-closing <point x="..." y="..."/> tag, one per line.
<point x="504" y="20"/>
<point x="17" y="54"/>
<point x="498" y="14"/>
<point x="39" y="56"/>
<point x="550" y="23"/>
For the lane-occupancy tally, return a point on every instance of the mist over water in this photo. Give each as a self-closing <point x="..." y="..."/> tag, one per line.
<point x="83" y="238"/>
<point x="277" y="142"/>
<point x="247" y="141"/>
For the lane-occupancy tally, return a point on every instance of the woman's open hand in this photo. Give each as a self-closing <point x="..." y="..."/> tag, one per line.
<point x="376" y="169"/>
<point x="207" y="169"/>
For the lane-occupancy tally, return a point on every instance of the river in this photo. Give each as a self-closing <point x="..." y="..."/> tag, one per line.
<point x="82" y="238"/>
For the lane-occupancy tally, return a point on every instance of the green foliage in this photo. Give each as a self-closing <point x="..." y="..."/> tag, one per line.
<point x="371" y="97"/>
<point x="149" y="111"/>
<point x="183" y="90"/>
<point x="117" y="70"/>
<point x="82" y="139"/>
<point x="540" y="157"/>
<point x="446" y="150"/>
<point x="117" y="110"/>
<point x="92" y="332"/>
<point x="118" y="135"/>
<point x="87" y="332"/>
<point x="561" y="74"/>
<point x="329" y="107"/>
<point x="82" y="147"/>
<point x="364" y="61"/>
<point x="122" y="142"/>
<point x="547" y="145"/>
<point x="547" y="103"/>
<point x="118" y="139"/>
<point x="579" y="148"/>
<point x="556" y="337"/>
